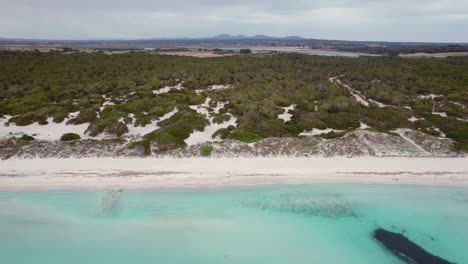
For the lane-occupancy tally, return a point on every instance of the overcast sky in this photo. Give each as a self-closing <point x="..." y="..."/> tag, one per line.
<point x="391" y="20"/>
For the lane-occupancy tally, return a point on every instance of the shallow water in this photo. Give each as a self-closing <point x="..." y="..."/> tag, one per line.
<point x="259" y="224"/>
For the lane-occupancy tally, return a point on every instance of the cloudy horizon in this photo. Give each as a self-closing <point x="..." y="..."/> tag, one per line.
<point x="378" y="20"/>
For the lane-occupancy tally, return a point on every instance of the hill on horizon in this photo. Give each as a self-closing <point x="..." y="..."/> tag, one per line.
<point x="237" y="37"/>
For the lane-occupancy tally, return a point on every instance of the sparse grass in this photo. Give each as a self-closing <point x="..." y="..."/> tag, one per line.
<point x="206" y="150"/>
<point x="372" y="129"/>
<point x="132" y="145"/>
<point x="253" y="140"/>
<point x="461" y="146"/>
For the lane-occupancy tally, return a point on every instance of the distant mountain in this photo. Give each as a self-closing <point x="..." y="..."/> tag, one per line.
<point x="237" y="37"/>
<point x="293" y="37"/>
<point x="227" y="36"/>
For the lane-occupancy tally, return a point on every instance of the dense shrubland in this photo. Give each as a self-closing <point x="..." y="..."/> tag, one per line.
<point x="112" y="92"/>
<point x="406" y="49"/>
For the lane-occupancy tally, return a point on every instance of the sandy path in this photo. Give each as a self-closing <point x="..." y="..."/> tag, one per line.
<point x="107" y="173"/>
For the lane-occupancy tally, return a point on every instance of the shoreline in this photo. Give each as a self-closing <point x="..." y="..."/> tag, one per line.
<point x="168" y="173"/>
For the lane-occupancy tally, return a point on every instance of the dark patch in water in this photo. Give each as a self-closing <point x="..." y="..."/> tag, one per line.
<point x="330" y="208"/>
<point x="405" y="249"/>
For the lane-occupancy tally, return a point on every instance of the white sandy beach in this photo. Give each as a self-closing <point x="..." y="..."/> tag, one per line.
<point x="104" y="173"/>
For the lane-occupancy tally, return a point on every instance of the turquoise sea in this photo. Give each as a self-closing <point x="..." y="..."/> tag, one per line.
<point x="329" y="223"/>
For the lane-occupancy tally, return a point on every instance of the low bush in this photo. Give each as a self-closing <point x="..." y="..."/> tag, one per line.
<point x="167" y="141"/>
<point x="59" y="117"/>
<point x="26" y="138"/>
<point x="110" y="126"/>
<point x="461" y="146"/>
<point x="163" y="141"/>
<point x="70" y="136"/>
<point x="219" y="119"/>
<point x="223" y="133"/>
<point x="431" y="131"/>
<point x="85" y="116"/>
<point x="182" y="124"/>
<point x="132" y="145"/>
<point x="274" y="128"/>
<point x="22" y="120"/>
<point x="142" y="120"/>
<point x="460" y="136"/>
<point x="206" y="150"/>
<point x="332" y="134"/>
<point x="245" y="136"/>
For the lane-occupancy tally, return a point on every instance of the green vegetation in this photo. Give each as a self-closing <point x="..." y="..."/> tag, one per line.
<point x="406" y="49"/>
<point x="70" y="136"/>
<point x="26" y="138"/>
<point x="220" y="118"/>
<point x="431" y="131"/>
<point x="318" y="138"/>
<point x="113" y="92"/>
<point x="223" y="133"/>
<point x="174" y="131"/>
<point x="461" y="146"/>
<point x="332" y="134"/>
<point x="206" y="150"/>
<point x="85" y="116"/>
<point x="246" y="136"/>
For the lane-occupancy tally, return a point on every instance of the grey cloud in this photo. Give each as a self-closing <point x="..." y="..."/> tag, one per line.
<point x="399" y="20"/>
